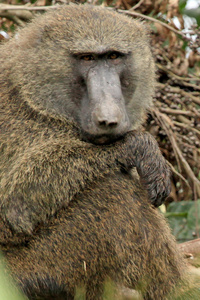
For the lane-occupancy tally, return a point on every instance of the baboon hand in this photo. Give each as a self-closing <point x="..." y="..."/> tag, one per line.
<point x="144" y="154"/>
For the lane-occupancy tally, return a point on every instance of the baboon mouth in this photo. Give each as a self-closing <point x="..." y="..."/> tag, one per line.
<point x="100" y="139"/>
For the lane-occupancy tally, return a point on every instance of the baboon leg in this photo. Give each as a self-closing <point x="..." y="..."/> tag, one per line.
<point x="153" y="264"/>
<point x="108" y="232"/>
<point x="157" y="268"/>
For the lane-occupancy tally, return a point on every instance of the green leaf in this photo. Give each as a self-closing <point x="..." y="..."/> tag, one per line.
<point x="182" y="4"/>
<point x="182" y="206"/>
<point x="183" y="219"/>
<point x="194" y="215"/>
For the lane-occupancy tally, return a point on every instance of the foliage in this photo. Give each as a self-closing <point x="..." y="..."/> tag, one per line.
<point x="8" y="290"/>
<point x="184" y="219"/>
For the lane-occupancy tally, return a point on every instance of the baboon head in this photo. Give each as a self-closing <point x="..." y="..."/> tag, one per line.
<point x="88" y="65"/>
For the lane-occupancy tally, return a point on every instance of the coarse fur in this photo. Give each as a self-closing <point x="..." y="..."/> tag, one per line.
<point x="44" y="160"/>
<point x="71" y="212"/>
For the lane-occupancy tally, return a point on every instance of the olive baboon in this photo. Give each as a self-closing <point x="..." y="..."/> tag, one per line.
<point x="55" y="101"/>
<point x="74" y="87"/>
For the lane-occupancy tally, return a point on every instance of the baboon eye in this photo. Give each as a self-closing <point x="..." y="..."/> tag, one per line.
<point x="87" y="57"/>
<point x="113" y="55"/>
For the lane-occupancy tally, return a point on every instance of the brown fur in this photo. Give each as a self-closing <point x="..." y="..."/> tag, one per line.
<point x="101" y="236"/>
<point x="44" y="161"/>
<point x="71" y="212"/>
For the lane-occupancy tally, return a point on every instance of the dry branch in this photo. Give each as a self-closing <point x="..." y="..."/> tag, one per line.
<point x="167" y="125"/>
<point x="8" y="7"/>
<point x="142" y="16"/>
<point x="192" y="247"/>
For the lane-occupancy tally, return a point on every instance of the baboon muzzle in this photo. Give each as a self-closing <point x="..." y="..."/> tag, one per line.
<point x="105" y="96"/>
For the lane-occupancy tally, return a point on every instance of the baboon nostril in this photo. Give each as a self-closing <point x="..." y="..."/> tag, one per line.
<point x="107" y="124"/>
<point x="112" y="124"/>
<point x="102" y="123"/>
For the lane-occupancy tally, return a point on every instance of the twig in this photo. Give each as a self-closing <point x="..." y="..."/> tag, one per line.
<point x="194" y="86"/>
<point x="13" y="18"/>
<point x="196" y="112"/>
<point x="182" y="92"/>
<point x="176" y="76"/>
<point x="136" y="5"/>
<point x="178" y="174"/>
<point x="135" y="14"/>
<point x="159" y="120"/>
<point x="166" y="125"/>
<point x="125" y="4"/>
<point x="5" y="7"/>
<point x="191" y="246"/>
<point x="177" y="112"/>
<point x="187" y="127"/>
<point x="182" y="119"/>
<point x="20" y="13"/>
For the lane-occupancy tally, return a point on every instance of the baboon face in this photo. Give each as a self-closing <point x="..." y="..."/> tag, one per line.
<point x="103" y="114"/>
<point x="89" y="65"/>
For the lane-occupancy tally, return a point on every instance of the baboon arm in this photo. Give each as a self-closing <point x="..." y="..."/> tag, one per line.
<point x="40" y="192"/>
<point x="152" y="168"/>
<point x="48" y="181"/>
